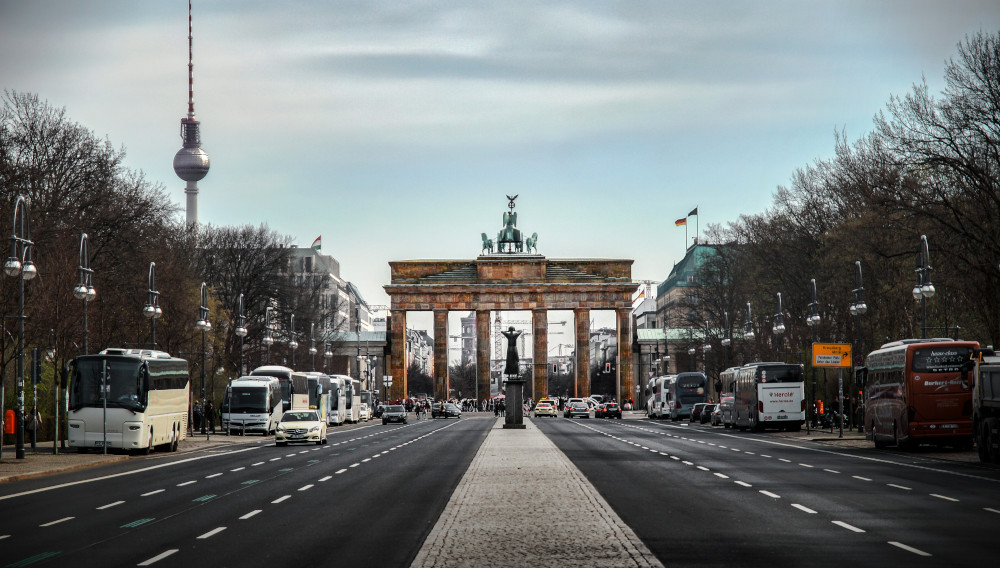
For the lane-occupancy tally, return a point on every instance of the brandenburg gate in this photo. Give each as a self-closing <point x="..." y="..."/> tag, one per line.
<point x="508" y="279"/>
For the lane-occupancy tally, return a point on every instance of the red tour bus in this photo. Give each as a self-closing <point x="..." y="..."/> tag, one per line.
<point x="914" y="392"/>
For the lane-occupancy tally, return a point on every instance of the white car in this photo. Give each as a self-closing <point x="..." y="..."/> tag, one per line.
<point x="300" y="427"/>
<point x="364" y="413"/>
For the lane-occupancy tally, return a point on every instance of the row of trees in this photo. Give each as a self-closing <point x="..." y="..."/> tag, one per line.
<point x="931" y="167"/>
<point x="76" y="183"/>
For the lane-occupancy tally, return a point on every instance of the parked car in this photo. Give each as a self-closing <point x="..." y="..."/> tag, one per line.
<point x="612" y="410"/>
<point x="394" y="413"/>
<point x="545" y="408"/>
<point x="706" y="412"/>
<point x="364" y="413"/>
<point x="300" y="426"/>
<point x="726" y="411"/>
<point x="576" y="409"/>
<point x="716" y="419"/>
<point x="445" y="410"/>
<point x="696" y="411"/>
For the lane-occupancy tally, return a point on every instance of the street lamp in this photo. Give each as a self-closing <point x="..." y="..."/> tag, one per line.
<point x="812" y="321"/>
<point x="727" y="339"/>
<point x="748" y="334"/>
<point x="858" y="309"/>
<point x="312" y="344"/>
<point x="327" y="355"/>
<point x="267" y="340"/>
<point x="707" y="347"/>
<point x="152" y="309"/>
<point x="292" y="344"/>
<point x="924" y="289"/>
<point x="85" y="286"/>
<point x="204" y="325"/>
<point x="20" y="266"/>
<point x="241" y="332"/>
<point x="691" y="349"/>
<point x="779" y="325"/>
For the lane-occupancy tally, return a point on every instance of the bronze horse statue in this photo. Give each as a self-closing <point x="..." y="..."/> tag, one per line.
<point x="487" y="244"/>
<point x="531" y="242"/>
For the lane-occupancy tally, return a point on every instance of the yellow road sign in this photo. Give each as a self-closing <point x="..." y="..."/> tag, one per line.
<point x="831" y="354"/>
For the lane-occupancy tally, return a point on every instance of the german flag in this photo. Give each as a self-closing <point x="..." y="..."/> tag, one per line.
<point x="681" y="222"/>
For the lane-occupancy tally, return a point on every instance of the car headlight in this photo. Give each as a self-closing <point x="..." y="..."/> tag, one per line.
<point x="280" y="429"/>
<point x="314" y="429"/>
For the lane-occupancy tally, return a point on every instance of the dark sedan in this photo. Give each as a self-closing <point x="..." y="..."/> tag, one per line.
<point x="576" y="409"/>
<point x="394" y="413"/>
<point x="445" y="410"/>
<point x="696" y="411"/>
<point x="612" y="410"/>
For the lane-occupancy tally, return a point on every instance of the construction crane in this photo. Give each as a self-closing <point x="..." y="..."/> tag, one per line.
<point x="498" y="353"/>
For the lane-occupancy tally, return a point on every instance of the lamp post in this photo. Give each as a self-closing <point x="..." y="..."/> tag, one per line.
<point x="85" y="286"/>
<point x="387" y="382"/>
<point x="292" y="344"/>
<point x="327" y="356"/>
<point x="20" y="266"/>
<point x="812" y="321"/>
<point x="858" y="309"/>
<point x="267" y="340"/>
<point x="241" y="332"/>
<point x="152" y="309"/>
<point x="706" y="348"/>
<point x="779" y="326"/>
<point x="691" y="349"/>
<point x="204" y="325"/>
<point x="727" y="339"/>
<point x="748" y="334"/>
<point x="924" y="289"/>
<point x="312" y="344"/>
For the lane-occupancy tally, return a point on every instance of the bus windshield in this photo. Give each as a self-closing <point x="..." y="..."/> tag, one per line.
<point x="246" y="400"/>
<point x="940" y="359"/>
<point x="125" y="384"/>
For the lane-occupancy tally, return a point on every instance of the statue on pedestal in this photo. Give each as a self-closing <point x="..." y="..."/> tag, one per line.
<point x="513" y="366"/>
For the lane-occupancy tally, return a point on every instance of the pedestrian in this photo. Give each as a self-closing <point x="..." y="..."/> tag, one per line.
<point x="196" y="412"/>
<point x="210" y="415"/>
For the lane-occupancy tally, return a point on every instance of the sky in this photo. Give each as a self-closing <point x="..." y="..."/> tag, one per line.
<point x="396" y="129"/>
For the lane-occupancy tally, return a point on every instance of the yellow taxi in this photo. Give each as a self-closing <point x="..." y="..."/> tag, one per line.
<point x="545" y="408"/>
<point x="300" y="427"/>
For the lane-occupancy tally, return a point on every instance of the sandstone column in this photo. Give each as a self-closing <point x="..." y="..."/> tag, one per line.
<point x="441" y="386"/>
<point x="397" y="354"/>
<point x="582" y="317"/>
<point x="625" y="379"/>
<point x="540" y="355"/>
<point x="483" y="353"/>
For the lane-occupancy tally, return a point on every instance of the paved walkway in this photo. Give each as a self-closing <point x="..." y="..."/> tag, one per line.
<point x="510" y="509"/>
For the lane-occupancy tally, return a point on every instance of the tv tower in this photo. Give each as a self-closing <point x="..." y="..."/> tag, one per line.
<point x="191" y="162"/>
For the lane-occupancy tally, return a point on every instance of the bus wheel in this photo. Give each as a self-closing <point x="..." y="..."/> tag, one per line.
<point x="174" y="441"/>
<point x="879" y="444"/>
<point x="149" y="444"/>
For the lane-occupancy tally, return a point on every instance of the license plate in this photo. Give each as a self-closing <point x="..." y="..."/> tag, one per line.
<point x="782" y="417"/>
<point x="99" y="443"/>
<point x="297" y="436"/>
<point x="949" y="425"/>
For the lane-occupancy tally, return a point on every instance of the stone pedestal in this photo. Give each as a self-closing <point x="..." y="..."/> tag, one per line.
<point x="514" y="405"/>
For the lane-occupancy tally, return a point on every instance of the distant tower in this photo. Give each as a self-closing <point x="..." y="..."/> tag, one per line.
<point x="191" y="162"/>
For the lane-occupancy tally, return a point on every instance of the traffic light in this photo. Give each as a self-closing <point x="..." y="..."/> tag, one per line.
<point x="607" y="367"/>
<point x="555" y="368"/>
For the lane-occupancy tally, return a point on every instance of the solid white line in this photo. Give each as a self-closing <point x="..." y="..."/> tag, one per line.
<point x="158" y="557"/>
<point x="326" y="478"/>
<point x="909" y="548"/>
<point x="250" y="514"/>
<point x="306" y="487"/>
<point x="743" y="483"/>
<point x="769" y="494"/>
<point x="152" y="493"/>
<point x="186" y="483"/>
<point x="991" y="510"/>
<point x="3" y="536"/>
<point x="109" y="505"/>
<point x="903" y="487"/>
<point x="952" y="499"/>
<point x="280" y="499"/>
<point x="861" y="478"/>
<point x="62" y="520"/>
<point x="212" y="533"/>
<point x="848" y="527"/>
<point x="803" y="508"/>
<point x="213" y="475"/>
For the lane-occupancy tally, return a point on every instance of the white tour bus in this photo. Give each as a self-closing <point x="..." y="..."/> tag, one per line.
<point x="660" y="406"/>
<point x="284" y="376"/>
<point x="338" y="400"/>
<point x="769" y="395"/>
<point x="252" y="404"/>
<point x="352" y="399"/>
<point x="132" y="399"/>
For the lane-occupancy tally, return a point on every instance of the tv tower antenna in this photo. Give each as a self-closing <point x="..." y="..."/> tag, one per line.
<point x="191" y="162"/>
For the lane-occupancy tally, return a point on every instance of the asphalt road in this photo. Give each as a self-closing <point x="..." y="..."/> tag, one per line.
<point x="703" y="496"/>
<point x="372" y="493"/>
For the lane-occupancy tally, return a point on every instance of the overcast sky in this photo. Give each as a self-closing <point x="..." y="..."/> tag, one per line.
<point x="395" y="129"/>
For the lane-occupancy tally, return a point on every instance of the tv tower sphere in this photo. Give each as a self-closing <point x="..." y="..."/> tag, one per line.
<point x="191" y="162"/>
